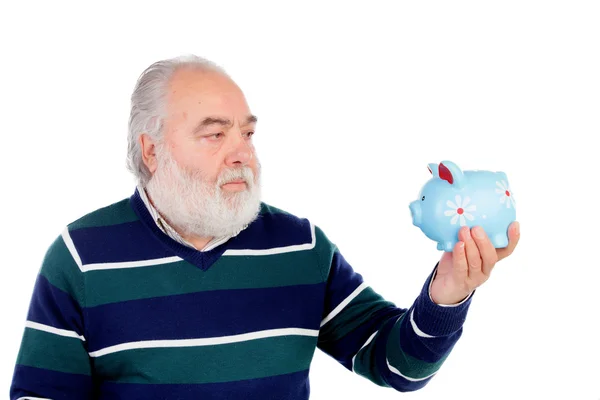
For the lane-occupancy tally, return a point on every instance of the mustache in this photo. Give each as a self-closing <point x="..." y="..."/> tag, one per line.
<point x="236" y="174"/>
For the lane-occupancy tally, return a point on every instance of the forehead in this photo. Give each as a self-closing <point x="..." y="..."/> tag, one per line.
<point x="196" y="93"/>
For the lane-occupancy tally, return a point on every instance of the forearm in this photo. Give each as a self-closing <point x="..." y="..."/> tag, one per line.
<point x="409" y="350"/>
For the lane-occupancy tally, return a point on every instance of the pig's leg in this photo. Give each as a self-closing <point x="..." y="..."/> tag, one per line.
<point x="500" y="240"/>
<point x="446" y="246"/>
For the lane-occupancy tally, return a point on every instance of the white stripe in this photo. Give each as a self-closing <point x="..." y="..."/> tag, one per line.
<point x="167" y="260"/>
<point x="275" y="250"/>
<point x="51" y="329"/>
<point x="69" y="242"/>
<point x="205" y="341"/>
<point x="363" y="346"/>
<point x="32" y="398"/>
<point x="344" y="303"/>
<point x="130" y="264"/>
<point x="418" y="331"/>
<point x="408" y="378"/>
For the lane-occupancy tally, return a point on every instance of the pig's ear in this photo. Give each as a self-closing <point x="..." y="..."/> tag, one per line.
<point x="433" y="169"/>
<point x="450" y="172"/>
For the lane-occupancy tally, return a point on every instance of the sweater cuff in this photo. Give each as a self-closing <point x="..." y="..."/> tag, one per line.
<point x="438" y="320"/>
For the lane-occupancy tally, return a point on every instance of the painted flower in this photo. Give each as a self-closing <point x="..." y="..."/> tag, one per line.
<point x="460" y="211"/>
<point x="506" y="195"/>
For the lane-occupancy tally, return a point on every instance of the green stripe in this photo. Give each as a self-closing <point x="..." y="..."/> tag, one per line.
<point x="325" y="250"/>
<point x="61" y="271"/>
<point x="229" y="272"/>
<point x="204" y="364"/>
<point x="269" y="209"/>
<point x="358" y="311"/>
<point x="365" y="363"/>
<point x="116" y="213"/>
<point x="49" y="351"/>
<point x="406" y="364"/>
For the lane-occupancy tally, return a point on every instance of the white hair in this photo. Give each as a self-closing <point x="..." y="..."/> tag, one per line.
<point x="148" y="108"/>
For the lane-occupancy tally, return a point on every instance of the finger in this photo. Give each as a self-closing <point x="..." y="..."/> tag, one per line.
<point x="489" y="256"/>
<point x="445" y="264"/>
<point x="460" y="267"/>
<point x="472" y="253"/>
<point x="513" y="238"/>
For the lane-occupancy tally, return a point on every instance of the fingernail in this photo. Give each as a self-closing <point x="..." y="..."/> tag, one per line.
<point x="517" y="230"/>
<point x="467" y="233"/>
<point x="478" y="232"/>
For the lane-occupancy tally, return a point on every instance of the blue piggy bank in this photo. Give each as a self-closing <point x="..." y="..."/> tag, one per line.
<point x="453" y="198"/>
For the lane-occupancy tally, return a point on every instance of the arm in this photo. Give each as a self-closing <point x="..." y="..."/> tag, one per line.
<point x="53" y="362"/>
<point x="392" y="347"/>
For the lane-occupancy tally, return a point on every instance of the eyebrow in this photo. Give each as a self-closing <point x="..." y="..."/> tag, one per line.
<point x="221" y="121"/>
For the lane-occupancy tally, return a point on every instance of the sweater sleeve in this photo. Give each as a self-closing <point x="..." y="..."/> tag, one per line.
<point x="53" y="362"/>
<point x="400" y="348"/>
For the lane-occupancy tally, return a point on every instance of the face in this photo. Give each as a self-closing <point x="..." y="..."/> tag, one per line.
<point x="205" y="173"/>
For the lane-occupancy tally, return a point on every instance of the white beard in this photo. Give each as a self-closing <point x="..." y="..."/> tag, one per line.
<point x="194" y="206"/>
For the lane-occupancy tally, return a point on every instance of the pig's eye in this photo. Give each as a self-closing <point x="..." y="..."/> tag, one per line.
<point x="423" y="198"/>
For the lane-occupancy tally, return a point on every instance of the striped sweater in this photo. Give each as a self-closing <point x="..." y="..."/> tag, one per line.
<point x="120" y="310"/>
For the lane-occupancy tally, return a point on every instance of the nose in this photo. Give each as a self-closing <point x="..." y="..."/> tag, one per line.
<point x="241" y="152"/>
<point x="415" y="211"/>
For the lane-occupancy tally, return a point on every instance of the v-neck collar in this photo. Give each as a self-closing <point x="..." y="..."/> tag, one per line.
<point x="202" y="259"/>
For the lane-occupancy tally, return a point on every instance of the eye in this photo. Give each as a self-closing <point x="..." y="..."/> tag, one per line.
<point x="423" y="198"/>
<point x="249" y="134"/>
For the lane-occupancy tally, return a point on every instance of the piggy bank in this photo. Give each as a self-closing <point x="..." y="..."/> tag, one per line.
<point x="453" y="198"/>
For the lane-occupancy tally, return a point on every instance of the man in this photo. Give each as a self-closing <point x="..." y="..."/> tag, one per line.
<point x="195" y="288"/>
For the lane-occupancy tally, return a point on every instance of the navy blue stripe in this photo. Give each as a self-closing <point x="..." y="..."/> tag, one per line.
<point x="426" y="349"/>
<point x="267" y="231"/>
<point x="44" y="383"/>
<point x="280" y="230"/>
<point x="293" y="386"/>
<point x="204" y="314"/>
<point x="51" y="306"/>
<point x="130" y="241"/>
<point x="342" y="281"/>
<point x="346" y="347"/>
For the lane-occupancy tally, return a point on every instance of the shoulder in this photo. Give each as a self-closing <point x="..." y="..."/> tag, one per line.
<point x="284" y="222"/>
<point x="63" y="254"/>
<point x="113" y="214"/>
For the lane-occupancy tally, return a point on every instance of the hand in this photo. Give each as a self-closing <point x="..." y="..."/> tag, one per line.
<point x="469" y="265"/>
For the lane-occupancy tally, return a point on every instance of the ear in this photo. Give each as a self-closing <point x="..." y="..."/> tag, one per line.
<point x="450" y="172"/>
<point x="148" y="152"/>
<point x="433" y="169"/>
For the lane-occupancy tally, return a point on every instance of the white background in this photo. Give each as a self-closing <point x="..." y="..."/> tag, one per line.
<point x="353" y="100"/>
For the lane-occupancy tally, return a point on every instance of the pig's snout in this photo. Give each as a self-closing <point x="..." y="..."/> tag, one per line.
<point x="415" y="211"/>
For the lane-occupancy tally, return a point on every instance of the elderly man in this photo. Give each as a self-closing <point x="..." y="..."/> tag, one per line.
<point x="193" y="288"/>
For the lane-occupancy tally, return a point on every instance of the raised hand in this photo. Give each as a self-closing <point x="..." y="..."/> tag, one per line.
<point x="470" y="264"/>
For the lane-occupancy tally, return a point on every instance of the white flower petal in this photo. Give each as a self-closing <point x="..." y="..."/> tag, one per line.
<point x="502" y="199"/>
<point x="500" y="191"/>
<point x="458" y="200"/>
<point x="451" y="205"/>
<point x="454" y="219"/>
<point x="448" y="213"/>
<point x="462" y="220"/>
<point x="472" y="207"/>
<point x="466" y="201"/>
<point x="468" y="216"/>
<point x="500" y="186"/>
